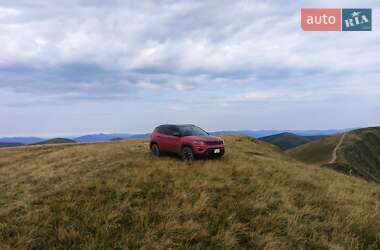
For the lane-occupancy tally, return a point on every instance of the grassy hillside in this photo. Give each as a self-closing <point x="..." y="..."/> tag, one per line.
<point x="288" y="140"/>
<point x="115" y="195"/>
<point x="361" y="153"/>
<point x="317" y="152"/>
<point x="358" y="155"/>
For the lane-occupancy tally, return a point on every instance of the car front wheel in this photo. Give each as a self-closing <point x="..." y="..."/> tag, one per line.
<point x="155" y="150"/>
<point x="187" y="154"/>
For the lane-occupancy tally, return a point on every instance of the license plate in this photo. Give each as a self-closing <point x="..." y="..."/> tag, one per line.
<point x="217" y="151"/>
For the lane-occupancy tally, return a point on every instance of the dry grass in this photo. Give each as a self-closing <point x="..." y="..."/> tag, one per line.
<point x="115" y="195"/>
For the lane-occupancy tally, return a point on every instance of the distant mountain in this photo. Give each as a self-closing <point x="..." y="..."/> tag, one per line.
<point x="10" y="144"/>
<point x="318" y="132"/>
<point x="108" y="137"/>
<point x="100" y="137"/>
<point x="83" y="138"/>
<point x="56" y="141"/>
<point x="251" y="133"/>
<point x="353" y="153"/>
<point x="139" y="136"/>
<point x="263" y="133"/>
<point x="22" y="140"/>
<point x="288" y="140"/>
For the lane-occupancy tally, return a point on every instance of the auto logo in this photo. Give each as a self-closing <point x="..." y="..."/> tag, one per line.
<point x="336" y="19"/>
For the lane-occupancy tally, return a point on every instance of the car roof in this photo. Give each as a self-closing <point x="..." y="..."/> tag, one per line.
<point x="177" y="125"/>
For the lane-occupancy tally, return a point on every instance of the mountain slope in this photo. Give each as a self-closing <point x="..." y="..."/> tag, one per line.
<point x="288" y="140"/>
<point x="115" y="195"/>
<point x="354" y="153"/>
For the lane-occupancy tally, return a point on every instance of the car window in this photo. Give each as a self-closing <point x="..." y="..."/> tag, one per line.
<point x="172" y="130"/>
<point x="163" y="130"/>
<point x="192" y="131"/>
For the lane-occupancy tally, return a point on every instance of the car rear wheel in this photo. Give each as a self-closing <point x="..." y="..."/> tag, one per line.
<point x="187" y="154"/>
<point x="155" y="150"/>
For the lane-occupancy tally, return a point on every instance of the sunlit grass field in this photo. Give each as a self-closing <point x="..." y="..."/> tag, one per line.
<point x="115" y="195"/>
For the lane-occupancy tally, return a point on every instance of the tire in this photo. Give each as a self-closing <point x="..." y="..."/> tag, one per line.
<point x="155" y="150"/>
<point x="187" y="154"/>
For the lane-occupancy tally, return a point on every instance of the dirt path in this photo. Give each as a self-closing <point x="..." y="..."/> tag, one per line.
<point x="333" y="158"/>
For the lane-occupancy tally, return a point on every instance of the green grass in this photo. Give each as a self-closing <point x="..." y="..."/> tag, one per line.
<point x="358" y="155"/>
<point x="115" y="195"/>
<point x="317" y="152"/>
<point x="361" y="151"/>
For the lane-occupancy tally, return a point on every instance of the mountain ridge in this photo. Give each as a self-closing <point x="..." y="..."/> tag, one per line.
<point x="288" y="140"/>
<point x="110" y="136"/>
<point x="354" y="153"/>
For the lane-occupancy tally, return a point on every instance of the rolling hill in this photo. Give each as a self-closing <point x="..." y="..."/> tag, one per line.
<point x="115" y="195"/>
<point x="353" y="153"/>
<point x="56" y="141"/>
<point x="288" y="140"/>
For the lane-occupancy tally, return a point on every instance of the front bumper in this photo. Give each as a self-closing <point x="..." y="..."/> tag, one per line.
<point x="208" y="151"/>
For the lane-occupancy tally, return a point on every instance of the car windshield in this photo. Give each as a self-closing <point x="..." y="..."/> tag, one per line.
<point x="192" y="131"/>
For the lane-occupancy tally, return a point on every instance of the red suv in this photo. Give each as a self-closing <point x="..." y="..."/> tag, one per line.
<point x="187" y="141"/>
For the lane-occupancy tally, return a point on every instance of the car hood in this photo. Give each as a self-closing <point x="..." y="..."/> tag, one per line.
<point x="204" y="138"/>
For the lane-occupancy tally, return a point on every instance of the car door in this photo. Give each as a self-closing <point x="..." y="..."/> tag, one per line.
<point x="163" y="134"/>
<point x="173" y="139"/>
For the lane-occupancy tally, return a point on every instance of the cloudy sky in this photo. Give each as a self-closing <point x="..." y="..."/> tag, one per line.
<point x="73" y="67"/>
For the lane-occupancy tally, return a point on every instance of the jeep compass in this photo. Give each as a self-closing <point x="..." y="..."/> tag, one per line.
<point x="187" y="141"/>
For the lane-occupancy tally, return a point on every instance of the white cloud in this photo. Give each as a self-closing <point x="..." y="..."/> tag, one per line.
<point x="214" y="52"/>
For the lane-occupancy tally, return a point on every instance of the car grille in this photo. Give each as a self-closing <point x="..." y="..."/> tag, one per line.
<point x="214" y="142"/>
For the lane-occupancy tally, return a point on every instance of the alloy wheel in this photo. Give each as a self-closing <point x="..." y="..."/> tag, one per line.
<point x="187" y="154"/>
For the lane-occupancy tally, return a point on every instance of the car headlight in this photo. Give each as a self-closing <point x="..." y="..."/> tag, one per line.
<point x="199" y="142"/>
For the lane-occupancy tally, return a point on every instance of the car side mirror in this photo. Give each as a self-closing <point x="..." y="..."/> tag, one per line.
<point x="176" y="134"/>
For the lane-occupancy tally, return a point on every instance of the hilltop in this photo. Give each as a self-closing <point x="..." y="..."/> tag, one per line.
<point x="56" y="141"/>
<point x="356" y="153"/>
<point x="115" y="195"/>
<point x="289" y="140"/>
